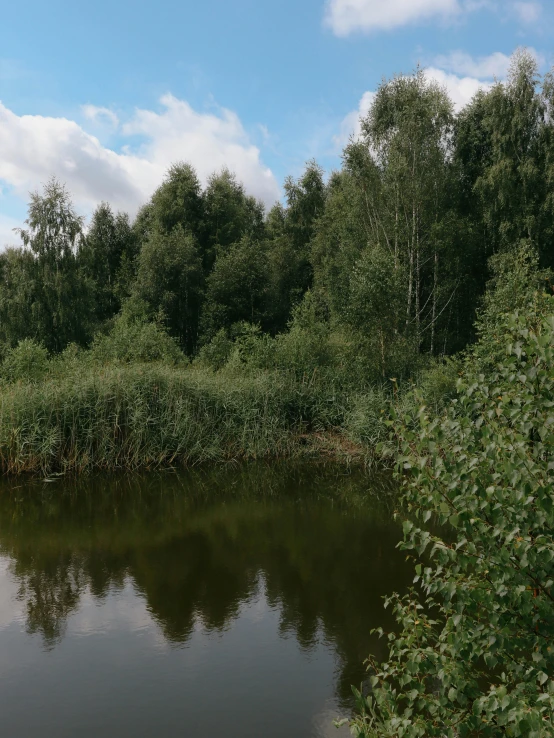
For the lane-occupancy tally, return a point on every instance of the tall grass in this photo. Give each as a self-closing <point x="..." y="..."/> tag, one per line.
<point x="81" y="411"/>
<point x="127" y="416"/>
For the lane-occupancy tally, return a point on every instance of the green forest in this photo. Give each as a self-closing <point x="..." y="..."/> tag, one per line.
<point x="387" y="261"/>
<point x="396" y="311"/>
<point x="238" y="332"/>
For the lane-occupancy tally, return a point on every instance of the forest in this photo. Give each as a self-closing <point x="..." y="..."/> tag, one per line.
<point x="398" y="311"/>
<point x="307" y="321"/>
<point x="386" y="260"/>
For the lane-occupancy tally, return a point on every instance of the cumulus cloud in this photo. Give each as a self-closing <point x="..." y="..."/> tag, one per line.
<point x="483" y="67"/>
<point x="347" y="16"/>
<point x="460" y="89"/>
<point x="528" y="12"/>
<point x="34" y="147"/>
<point x="351" y="124"/>
<point x="100" y="115"/>
<point x="7" y="235"/>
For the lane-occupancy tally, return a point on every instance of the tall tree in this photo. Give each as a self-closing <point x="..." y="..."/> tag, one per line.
<point x="403" y="168"/>
<point x="18" y="274"/>
<point x="230" y="214"/>
<point x="62" y="300"/>
<point x="109" y="244"/>
<point x="170" y="283"/>
<point x="237" y="288"/>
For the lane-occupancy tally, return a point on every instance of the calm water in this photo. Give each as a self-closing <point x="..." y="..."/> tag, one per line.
<point x="237" y="602"/>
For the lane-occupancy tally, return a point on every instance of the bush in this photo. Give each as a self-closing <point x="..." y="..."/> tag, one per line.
<point x="27" y="361"/>
<point x="365" y="420"/>
<point x="437" y="385"/>
<point x="216" y="353"/>
<point x="135" y="341"/>
<point x="474" y="655"/>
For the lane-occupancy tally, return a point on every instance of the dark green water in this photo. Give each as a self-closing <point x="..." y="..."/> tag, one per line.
<point x="237" y="602"/>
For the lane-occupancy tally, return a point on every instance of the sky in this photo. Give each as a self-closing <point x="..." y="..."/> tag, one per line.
<point x="106" y="95"/>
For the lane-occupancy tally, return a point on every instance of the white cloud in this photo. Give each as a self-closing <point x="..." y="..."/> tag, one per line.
<point x="7" y="236"/>
<point x="346" y="16"/>
<point x="483" y="67"/>
<point x="351" y="123"/>
<point x="34" y="147"/>
<point x="529" y="12"/>
<point x="100" y="115"/>
<point x="460" y="89"/>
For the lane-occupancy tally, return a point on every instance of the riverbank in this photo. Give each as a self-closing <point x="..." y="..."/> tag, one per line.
<point x="84" y="417"/>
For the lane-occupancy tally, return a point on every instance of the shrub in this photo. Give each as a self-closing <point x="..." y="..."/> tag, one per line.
<point x="135" y="341"/>
<point x="215" y="354"/>
<point x="27" y="361"/>
<point x="437" y="383"/>
<point x="474" y="655"/>
<point x="365" y="420"/>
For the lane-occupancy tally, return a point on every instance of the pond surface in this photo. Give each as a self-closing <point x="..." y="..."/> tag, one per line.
<point x="234" y="602"/>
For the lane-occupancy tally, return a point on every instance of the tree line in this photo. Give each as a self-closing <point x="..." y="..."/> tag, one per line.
<point x="394" y="248"/>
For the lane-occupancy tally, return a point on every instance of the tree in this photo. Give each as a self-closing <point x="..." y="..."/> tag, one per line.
<point x="178" y="201"/>
<point x="376" y="299"/>
<point x="109" y="245"/>
<point x="340" y="236"/>
<point x="17" y="295"/>
<point x="170" y="283"/>
<point x="230" y="214"/>
<point x="503" y="147"/>
<point x="305" y="204"/>
<point x="61" y="303"/>
<point x="402" y="167"/>
<point x="236" y="289"/>
<point x="473" y="655"/>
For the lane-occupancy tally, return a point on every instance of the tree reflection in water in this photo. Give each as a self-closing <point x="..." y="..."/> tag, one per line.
<point x="197" y="546"/>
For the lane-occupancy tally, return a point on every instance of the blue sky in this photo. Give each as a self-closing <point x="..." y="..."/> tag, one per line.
<point x="105" y="95"/>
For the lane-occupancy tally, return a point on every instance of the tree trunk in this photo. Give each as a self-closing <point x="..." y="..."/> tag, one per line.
<point x="434" y="317"/>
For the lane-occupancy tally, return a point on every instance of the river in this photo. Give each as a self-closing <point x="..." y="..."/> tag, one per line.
<point x="236" y="601"/>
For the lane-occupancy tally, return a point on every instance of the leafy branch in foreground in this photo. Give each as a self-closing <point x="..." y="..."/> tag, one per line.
<point x="474" y="652"/>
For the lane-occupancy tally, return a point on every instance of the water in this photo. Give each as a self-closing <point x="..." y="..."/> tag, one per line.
<point x="236" y="602"/>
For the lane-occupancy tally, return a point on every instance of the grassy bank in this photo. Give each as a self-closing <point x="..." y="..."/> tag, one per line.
<point x="151" y="415"/>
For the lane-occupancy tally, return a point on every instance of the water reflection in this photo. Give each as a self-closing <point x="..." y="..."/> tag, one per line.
<point x="270" y="565"/>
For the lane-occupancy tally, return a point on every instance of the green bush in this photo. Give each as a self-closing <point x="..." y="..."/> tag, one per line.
<point x="27" y="361"/>
<point x="135" y="341"/>
<point x="474" y="653"/>
<point x="365" y="420"/>
<point x="215" y="354"/>
<point x="437" y="384"/>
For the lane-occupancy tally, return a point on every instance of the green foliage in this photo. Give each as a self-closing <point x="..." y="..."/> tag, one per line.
<point x="60" y="298"/>
<point x="135" y="341"/>
<point x="229" y="214"/>
<point x="473" y="654"/>
<point x="305" y="348"/>
<point x="27" y="361"/>
<point x="215" y="354"/>
<point x="107" y="250"/>
<point x="18" y="275"/>
<point x="251" y="347"/>
<point x="377" y="299"/>
<point x="517" y="284"/>
<point x="170" y="281"/>
<point x="178" y="201"/>
<point x="148" y="415"/>
<point x="365" y="421"/>
<point x="437" y="383"/>
<point x="236" y="289"/>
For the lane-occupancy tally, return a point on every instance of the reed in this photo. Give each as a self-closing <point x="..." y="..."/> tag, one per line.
<point x="152" y="415"/>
